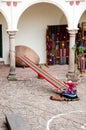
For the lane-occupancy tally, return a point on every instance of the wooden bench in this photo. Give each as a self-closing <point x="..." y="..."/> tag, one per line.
<point x="15" y="122"/>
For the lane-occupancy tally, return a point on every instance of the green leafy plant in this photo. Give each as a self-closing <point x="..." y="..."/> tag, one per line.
<point x="81" y="49"/>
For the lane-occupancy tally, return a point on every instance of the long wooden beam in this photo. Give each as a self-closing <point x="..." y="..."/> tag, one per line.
<point x="51" y="79"/>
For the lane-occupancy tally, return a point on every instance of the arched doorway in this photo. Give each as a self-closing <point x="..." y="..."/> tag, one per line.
<point x="33" y="24"/>
<point x="81" y="43"/>
<point x="4" y="42"/>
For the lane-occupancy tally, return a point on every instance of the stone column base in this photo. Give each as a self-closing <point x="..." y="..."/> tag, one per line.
<point x="12" y="77"/>
<point x="73" y="76"/>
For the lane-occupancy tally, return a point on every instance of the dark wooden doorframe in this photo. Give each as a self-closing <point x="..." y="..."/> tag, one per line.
<point x="0" y="41"/>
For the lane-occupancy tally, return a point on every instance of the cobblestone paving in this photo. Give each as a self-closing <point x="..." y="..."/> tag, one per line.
<point x="30" y="97"/>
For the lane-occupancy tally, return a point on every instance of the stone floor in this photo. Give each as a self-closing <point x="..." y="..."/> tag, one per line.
<point x="30" y="97"/>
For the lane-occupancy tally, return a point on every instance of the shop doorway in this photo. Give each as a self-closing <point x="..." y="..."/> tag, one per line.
<point x="57" y="44"/>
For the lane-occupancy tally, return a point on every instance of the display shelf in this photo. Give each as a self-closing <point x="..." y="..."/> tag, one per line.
<point x="57" y="44"/>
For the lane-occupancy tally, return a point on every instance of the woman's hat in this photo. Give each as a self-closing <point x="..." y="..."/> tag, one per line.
<point x="70" y="82"/>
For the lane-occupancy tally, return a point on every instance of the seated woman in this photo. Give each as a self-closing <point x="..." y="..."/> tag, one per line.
<point x="71" y="91"/>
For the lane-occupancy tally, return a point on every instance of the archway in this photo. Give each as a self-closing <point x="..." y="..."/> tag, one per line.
<point x="4" y="45"/>
<point x="81" y="43"/>
<point x="33" y="24"/>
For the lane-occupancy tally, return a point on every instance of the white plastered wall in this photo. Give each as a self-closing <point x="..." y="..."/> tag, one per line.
<point x="83" y="17"/>
<point x="33" y="24"/>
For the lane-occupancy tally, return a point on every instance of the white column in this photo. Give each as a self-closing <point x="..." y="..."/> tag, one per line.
<point x="72" y="34"/>
<point x="12" y="73"/>
<point x="72" y="75"/>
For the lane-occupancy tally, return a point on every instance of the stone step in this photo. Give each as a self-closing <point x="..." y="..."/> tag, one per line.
<point x="16" y="122"/>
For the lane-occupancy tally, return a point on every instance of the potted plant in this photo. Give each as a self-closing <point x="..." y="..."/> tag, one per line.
<point x="79" y="54"/>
